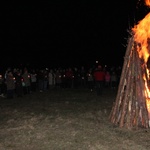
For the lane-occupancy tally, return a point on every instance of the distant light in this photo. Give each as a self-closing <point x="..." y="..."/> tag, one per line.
<point x="96" y="61"/>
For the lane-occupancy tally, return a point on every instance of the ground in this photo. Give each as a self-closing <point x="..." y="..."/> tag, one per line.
<point x="65" y="119"/>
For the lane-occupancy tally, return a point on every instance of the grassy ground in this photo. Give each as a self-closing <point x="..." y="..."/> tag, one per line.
<point x="65" y="119"/>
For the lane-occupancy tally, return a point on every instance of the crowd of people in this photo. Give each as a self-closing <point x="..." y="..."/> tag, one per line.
<point x="16" y="82"/>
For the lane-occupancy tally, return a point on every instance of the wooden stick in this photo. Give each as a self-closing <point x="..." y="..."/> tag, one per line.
<point x="127" y="93"/>
<point x="122" y="81"/>
<point x="142" y="103"/>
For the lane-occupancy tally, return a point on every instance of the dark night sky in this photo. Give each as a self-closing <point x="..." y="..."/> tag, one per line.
<point x="67" y="32"/>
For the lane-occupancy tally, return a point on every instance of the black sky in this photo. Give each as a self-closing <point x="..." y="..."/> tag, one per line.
<point x="55" y="33"/>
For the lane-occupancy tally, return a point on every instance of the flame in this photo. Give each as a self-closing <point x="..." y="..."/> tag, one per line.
<point x="147" y="2"/>
<point x="141" y="33"/>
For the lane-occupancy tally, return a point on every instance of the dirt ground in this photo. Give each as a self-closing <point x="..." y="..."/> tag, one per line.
<point x="65" y="119"/>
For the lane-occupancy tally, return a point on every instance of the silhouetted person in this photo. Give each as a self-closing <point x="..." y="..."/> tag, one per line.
<point x="99" y="77"/>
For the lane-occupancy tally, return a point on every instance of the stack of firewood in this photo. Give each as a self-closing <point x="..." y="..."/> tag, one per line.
<point x="130" y="107"/>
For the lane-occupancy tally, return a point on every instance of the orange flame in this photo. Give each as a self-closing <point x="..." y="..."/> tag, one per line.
<point x="147" y="2"/>
<point x="142" y="37"/>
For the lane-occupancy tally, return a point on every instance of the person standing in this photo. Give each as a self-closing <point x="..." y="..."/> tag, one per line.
<point x="10" y="84"/>
<point x="18" y="84"/>
<point x="27" y="80"/>
<point x="51" y="79"/>
<point x="99" y="77"/>
<point x="113" y="80"/>
<point x="90" y="79"/>
<point x="69" y="77"/>
<point x="40" y="78"/>
<point x="107" y="79"/>
<point x="2" y="86"/>
<point x="82" y="77"/>
<point x="45" y="81"/>
<point x="33" y="80"/>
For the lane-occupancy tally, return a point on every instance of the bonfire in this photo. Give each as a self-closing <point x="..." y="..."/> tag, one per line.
<point x="132" y="106"/>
